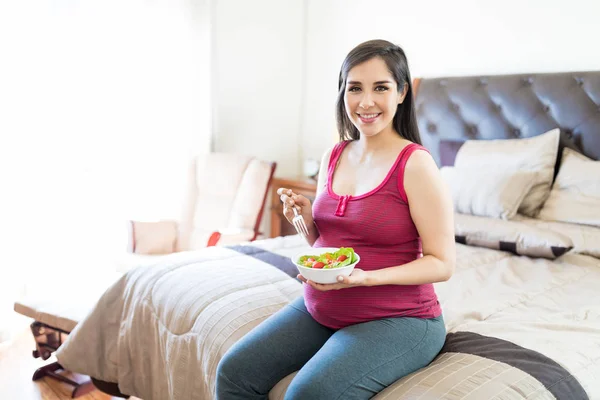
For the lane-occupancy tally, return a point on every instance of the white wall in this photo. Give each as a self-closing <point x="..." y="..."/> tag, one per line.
<point x="258" y="82"/>
<point x="258" y="76"/>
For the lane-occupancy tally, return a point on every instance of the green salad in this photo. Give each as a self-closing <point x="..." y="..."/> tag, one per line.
<point x="344" y="256"/>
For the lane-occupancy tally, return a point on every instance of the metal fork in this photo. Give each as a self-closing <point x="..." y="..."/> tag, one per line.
<point x="299" y="224"/>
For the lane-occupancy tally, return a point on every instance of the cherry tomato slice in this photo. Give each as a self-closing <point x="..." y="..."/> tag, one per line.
<point x="342" y="258"/>
<point x="318" y="265"/>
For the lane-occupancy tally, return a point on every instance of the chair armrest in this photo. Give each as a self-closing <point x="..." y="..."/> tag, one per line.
<point x="152" y="238"/>
<point x="226" y="237"/>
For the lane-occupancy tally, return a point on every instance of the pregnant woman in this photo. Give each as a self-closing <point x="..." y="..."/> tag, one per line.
<point x="379" y="192"/>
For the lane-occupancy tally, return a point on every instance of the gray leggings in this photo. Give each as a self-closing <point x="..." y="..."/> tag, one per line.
<point x="355" y="362"/>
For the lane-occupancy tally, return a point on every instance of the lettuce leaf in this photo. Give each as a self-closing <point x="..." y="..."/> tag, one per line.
<point x="348" y="252"/>
<point x="302" y="259"/>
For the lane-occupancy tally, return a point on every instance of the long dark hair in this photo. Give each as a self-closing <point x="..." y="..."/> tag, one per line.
<point x="405" y="120"/>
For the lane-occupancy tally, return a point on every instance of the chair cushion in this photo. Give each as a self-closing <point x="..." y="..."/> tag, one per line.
<point x="250" y="194"/>
<point x="218" y="179"/>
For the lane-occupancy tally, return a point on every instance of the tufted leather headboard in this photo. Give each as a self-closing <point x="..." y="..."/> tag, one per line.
<point x="510" y="106"/>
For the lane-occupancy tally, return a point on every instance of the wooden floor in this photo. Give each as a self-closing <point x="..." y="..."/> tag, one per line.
<point x="17" y="367"/>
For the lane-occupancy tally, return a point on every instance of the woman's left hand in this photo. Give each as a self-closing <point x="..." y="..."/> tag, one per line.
<point x="358" y="277"/>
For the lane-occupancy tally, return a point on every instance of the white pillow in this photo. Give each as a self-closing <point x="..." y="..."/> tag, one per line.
<point x="575" y="196"/>
<point x="488" y="193"/>
<point x="536" y="154"/>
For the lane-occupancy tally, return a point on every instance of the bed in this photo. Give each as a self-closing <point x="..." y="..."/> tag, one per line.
<point x="522" y="309"/>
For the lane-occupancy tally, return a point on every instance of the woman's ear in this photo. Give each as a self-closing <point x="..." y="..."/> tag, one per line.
<point x="402" y="93"/>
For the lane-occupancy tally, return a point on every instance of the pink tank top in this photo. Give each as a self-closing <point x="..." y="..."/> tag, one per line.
<point x="379" y="227"/>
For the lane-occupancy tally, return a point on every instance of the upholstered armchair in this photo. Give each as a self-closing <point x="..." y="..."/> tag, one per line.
<point x="224" y="205"/>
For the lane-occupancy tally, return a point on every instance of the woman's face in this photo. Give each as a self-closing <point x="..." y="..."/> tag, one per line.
<point x="371" y="97"/>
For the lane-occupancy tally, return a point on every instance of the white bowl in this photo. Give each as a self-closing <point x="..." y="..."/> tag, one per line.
<point x="323" y="275"/>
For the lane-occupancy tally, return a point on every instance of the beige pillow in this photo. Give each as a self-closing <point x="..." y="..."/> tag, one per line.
<point x="154" y="237"/>
<point x="488" y="193"/>
<point x="518" y="237"/>
<point x="575" y="196"/>
<point x="536" y="154"/>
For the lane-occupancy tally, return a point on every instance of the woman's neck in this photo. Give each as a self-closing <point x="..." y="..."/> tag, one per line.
<point x="368" y="145"/>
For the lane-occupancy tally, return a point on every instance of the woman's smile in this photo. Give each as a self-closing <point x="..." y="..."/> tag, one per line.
<point x="368" y="118"/>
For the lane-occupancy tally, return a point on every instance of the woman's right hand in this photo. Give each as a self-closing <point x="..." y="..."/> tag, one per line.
<point x="301" y="203"/>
